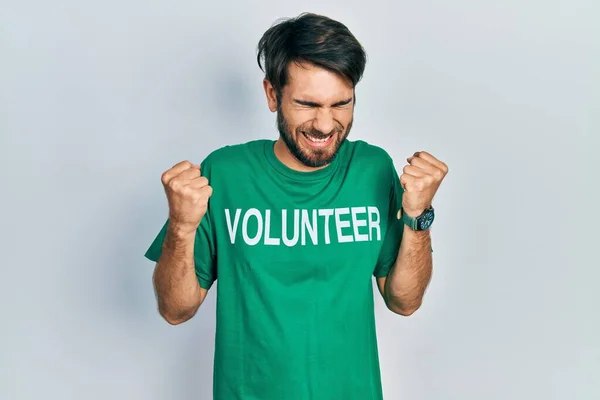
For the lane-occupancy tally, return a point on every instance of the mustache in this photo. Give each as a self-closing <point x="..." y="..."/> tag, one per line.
<point x="320" y="135"/>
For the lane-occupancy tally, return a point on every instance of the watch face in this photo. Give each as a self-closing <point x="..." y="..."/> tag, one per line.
<point x="426" y="220"/>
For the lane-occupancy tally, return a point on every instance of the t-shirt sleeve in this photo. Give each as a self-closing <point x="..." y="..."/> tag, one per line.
<point x="204" y="248"/>
<point x="395" y="227"/>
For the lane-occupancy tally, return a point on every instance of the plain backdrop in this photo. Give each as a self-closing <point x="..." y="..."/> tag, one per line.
<point x="98" y="98"/>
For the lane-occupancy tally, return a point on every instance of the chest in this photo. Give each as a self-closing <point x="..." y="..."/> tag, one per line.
<point x="340" y="220"/>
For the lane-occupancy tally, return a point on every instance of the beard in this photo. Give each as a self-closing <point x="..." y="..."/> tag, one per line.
<point x="313" y="158"/>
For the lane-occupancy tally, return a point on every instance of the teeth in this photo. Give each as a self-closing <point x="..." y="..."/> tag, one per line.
<point x="313" y="139"/>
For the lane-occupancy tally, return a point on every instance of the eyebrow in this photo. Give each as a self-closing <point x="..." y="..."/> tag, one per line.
<point x="315" y="104"/>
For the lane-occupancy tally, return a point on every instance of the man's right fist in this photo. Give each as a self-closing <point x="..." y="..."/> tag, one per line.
<point x="187" y="194"/>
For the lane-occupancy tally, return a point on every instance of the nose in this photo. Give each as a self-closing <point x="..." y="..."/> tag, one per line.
<point x="324" y="121"/>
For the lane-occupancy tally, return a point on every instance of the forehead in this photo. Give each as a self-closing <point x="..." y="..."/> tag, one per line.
<point x="309" y="82"/>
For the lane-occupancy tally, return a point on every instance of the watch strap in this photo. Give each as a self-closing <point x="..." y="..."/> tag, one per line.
<point x="412" y="222"/>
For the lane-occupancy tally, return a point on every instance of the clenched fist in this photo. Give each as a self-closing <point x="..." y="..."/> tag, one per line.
<point x="187" y="194"/>
<point x="420" y="180"/>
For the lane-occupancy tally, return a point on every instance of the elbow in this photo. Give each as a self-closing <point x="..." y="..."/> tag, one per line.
<point x="176" y="317"/>
<point x="406" y="310"/>
<point x="173" y="320"/>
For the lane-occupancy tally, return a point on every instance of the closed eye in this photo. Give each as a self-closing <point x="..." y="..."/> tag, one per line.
<point x="342" y="103"/>
<point x="313" y="104"/>
<point x="307" y="103"/>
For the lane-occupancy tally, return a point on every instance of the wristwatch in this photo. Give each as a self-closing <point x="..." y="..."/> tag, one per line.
<point x="421" y="223"/>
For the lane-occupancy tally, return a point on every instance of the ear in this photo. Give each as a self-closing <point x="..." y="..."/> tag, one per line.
<point x="271" y="95"/>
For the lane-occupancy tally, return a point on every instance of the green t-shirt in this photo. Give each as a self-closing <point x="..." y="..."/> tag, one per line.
<point x="295" y="254"/>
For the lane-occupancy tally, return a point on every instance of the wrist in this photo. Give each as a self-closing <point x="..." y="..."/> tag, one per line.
<point x="417" y="219"/>
<point x="412" y="213"/>
<point x="181" y="230"/>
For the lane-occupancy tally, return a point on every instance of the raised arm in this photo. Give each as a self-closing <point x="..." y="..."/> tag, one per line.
<point x="176" y="285"/>
<point x="405" y="285"/>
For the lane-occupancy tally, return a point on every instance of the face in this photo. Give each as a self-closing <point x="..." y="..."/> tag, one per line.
<point x="315" y="114"/>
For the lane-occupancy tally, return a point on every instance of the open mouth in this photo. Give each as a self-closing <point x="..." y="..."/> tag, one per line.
<point x="318" y="142"/>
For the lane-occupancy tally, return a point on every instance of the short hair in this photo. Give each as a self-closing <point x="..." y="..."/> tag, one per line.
<point x="311" y="38"/>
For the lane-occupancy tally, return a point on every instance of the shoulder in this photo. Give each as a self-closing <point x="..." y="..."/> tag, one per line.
<point x="363" y="152"/>
<point x="234" y="155"/>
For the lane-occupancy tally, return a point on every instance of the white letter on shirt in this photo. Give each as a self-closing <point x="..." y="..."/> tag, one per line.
<point x="374" y="223"/>
<point x="342" y="224"/>
<point x="356" y="223"/>
<point x="326" y="213"/>
<point x="232" y="227"/>
<point x="252" y="241"/>
<point x="269" y="241"/>
<point x="306" y="226"/>
<point x="284" y="229"/>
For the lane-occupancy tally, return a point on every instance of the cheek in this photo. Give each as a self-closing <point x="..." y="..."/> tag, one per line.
<point x="298" y="121"/>
<point x="344" y="117"/>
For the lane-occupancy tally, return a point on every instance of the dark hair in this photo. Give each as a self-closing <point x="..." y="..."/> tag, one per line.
<point x="311" y="38"/>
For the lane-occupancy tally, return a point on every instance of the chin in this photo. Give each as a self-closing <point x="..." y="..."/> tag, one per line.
<point x="309" y="146"/>
<point x="317" y="155"/>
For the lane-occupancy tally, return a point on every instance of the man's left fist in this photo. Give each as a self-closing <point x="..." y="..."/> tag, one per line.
<point x="420" y="180"/>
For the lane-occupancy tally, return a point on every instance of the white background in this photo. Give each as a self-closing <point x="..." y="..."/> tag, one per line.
<point x="97" y="99"/>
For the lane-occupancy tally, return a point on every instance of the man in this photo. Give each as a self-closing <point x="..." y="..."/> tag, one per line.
<point x="295" y="229"/>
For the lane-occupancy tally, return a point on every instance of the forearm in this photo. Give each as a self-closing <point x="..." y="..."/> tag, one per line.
<point x="175" y="281"/>
<point x="408" y="279"/>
